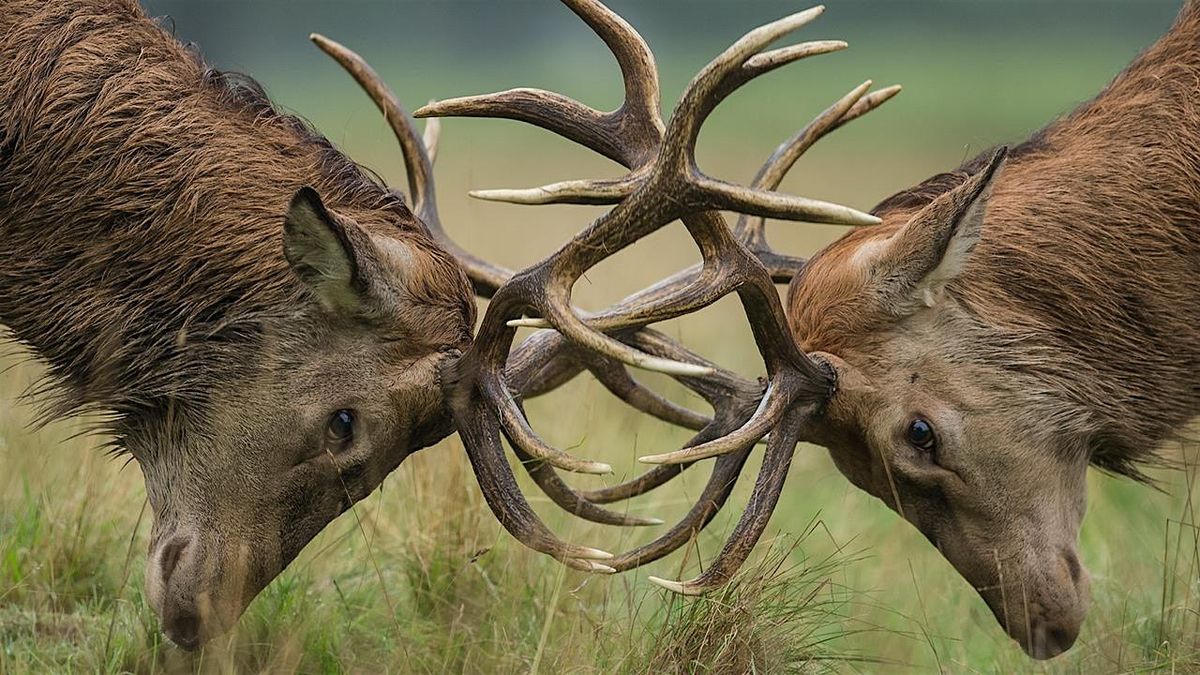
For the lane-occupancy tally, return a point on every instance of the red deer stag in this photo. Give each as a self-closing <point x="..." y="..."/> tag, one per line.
<point x="1010" y="323"/>
<point x="269" y="331"/>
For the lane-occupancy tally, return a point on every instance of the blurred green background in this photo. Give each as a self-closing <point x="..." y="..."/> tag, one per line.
<point x="420" y="578"/>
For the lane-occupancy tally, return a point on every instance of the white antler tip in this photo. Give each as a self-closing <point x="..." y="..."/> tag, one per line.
<point x="529" y="323"/>
<point x="812" y="12"/>
<point x="429" y="109"/>
<point x="598" y="468"/>
<point x="527" y="196"/>
<point x="600" y="569"/>
<point x="670" y="367"/>
<point x="594" y="554"/>
<point x="679" y="587"/>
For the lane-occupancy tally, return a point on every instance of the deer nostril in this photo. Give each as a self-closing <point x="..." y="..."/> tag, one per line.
<point x="1062" y="638"/>
<point x="169" y="559"/>
<point x="184" y="630"/>
<point x="1073" y="566"/>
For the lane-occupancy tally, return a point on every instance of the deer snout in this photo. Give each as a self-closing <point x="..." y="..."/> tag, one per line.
<point x="168" y="567"/>
<point x="195" y="592"/>
<point x="1056" y="631"/>
<point x="1045" y="611"/>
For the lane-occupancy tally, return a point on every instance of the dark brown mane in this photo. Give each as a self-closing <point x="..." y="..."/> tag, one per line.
<point x="177" y="176"/>
<point x="245" y="95"/>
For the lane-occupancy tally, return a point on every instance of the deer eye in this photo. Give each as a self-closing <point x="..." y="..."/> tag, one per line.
<point x="920" y="434"/>
<point x="339" y="431"/>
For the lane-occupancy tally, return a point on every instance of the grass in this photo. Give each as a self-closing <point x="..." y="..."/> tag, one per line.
<point x="420" y="578"/>
<point x="428" y="582"/>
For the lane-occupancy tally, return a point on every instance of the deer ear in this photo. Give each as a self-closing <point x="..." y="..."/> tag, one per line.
<point x="331" y="254"/>
<point x="933" y="248"/>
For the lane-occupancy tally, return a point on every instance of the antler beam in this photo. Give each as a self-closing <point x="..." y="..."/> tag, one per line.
<point x="663" y="184"/>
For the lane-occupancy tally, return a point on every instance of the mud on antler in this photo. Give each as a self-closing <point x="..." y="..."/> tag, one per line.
<point x="664" y="184"/>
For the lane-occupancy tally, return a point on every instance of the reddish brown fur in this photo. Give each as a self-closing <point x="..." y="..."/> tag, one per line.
<point x="1063" y="330"/>
<point x="1089" y="265"/>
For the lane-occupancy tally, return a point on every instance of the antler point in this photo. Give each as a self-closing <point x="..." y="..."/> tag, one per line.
<point x="600" y="569"/>
<point x="594" y="554"/>
<point x="674" y="586"/>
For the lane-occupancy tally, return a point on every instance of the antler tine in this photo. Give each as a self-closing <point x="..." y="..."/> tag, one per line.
<point x="753" y="522"/>
<point x="730" y="70"/>
<point x="481" y="438"/>
<point x="417" y="162"/>
<point x="854" y="104"/>
<point x="593" y="192"/>
<point x="635" y="59"/>
<point x="418" y="155"/>
<point x="430" y="138"/>
<point x="751" y="230"/>
<point x="628" y="135"/>
<point x="554" y="112"/>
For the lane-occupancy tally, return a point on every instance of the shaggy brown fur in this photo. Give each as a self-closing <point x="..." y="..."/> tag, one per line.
<point x="267" y="354"/>
<point x="1033" y="323"/>
<point x="141" y="201"/>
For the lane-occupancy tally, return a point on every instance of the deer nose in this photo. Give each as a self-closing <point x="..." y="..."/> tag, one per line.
<point x="1048" y="639"/>
<point x="173" y="589"/>
<point x="183" y="628"/>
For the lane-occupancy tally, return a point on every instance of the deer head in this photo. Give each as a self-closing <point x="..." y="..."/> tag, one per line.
<point x="932" y="413"/>
<point x="334" y="398"/>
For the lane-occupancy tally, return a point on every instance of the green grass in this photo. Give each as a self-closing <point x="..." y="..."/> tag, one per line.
<point x="429" y="583"/>
<point x="420" y="578"/>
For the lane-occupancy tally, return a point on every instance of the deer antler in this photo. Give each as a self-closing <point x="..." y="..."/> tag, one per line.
<point x="555" y="362"/>
<point x="661" y="162"/>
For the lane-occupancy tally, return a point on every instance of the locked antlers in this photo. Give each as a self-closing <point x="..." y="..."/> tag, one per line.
<point x="664" y="184"/>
